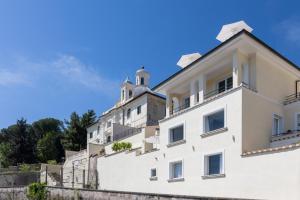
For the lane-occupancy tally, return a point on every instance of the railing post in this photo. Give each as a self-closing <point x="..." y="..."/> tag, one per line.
<point x="73" y="176"/>
<point x="61" y="176"/>
<point x="46" y="178"/>
<point x="83" y="179"/>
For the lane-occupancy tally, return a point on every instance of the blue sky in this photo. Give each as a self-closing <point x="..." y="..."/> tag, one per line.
<point x="57" y="57"/>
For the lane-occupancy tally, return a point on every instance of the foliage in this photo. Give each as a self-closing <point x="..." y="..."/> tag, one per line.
<point x="24" y="168"/>
<point x="37" y="191"/>
<point x="51" y="162"/>
<point x="119" y="146"/>
<point x="50" y="147"/>
<point x="5" y="149"/>
<point x="75" y="133"/>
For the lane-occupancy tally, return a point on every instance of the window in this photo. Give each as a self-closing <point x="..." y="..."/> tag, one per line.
<point x="130" y="93"/>
<point x="108" y="124"/>
<point x="128" y="113"/>
<point x="91" y="134"/>
<point x="153" y="173"/>
<point x="213" y="164"/>
<point x="123" y="94"/>
<point x="108" y="139"/>
<point x="225" y="84"/>
<point x="139" y="110"/>
<point x="277" y="125"/>
<point x="98" y="130"/>
<point x="214" y="121"/>
<point x="298" y="121"/>
<point x="187" y="102"/>
<point x="176" y="134"/>
<point x="176" y="170"/>
<point x="142" y="81"/>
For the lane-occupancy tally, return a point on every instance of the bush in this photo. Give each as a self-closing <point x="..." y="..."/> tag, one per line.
<point x="119" y="146"/>
<point x="24" y="168"/>
<point x="52" y="162"/>
<point x="37" y="191"/>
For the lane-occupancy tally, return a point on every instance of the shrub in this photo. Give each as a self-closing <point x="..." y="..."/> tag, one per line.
<point x="118" y="146"/>
<point x="37" y="191"/>
<point x="24" y="168"/>
<point x="51" y="162"/>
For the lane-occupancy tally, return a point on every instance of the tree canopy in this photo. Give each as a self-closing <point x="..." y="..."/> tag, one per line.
<point x="43" y="140"/>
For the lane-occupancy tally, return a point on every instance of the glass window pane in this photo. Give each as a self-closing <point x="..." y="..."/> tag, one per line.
<point x="177" y="170"/>
<point x="298" y="121"/>
<point x="153" y="172"/>
<point x="214" y="164"/>
<point x="215" y="121"/>
<point x="221" y="86"/>
<point x="176" y="134"/>
<point x="229" y="83"/>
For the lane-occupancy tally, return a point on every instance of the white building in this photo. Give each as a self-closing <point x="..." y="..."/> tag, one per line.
<point x="232" y="128"/>
<point x="134" y="119"/>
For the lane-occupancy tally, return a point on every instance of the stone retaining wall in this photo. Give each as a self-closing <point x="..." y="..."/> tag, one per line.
<point x="55" y="193"/>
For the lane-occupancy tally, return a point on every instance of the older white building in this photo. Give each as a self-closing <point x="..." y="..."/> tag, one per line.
<point x="232" y="127"/>
<point x="133" y="119"/>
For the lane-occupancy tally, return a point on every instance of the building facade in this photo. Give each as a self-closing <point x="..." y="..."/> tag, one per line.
<point x="232" y="129"/>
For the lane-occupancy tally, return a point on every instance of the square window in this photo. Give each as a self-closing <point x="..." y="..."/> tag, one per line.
<point x="214" y="121"/>
<point x="153" y="173"/>
<point x="176" y="170"/>
<point x="176" y="134"/>
<point x="139" y="110"/>
<point x="213" y="164"/>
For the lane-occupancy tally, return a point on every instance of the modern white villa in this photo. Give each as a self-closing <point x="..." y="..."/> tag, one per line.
<point x="229" y="126"/>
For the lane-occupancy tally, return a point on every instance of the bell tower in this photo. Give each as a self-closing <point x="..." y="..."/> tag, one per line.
<point x="126" y="90"/>
<point x="142" y="77"/>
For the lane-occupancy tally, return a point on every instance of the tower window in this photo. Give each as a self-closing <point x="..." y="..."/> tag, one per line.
<point x="130" y="93"/>
<point x="142" y="81"/>
<point x="123" y="94"/>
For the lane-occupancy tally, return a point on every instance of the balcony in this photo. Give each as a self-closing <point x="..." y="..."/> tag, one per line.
<point x="286" y="138"/>
<point x="291" y="98"/>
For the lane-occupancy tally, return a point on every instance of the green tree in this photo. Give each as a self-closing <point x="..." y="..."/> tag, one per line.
<point x="75" y="132"/>
<point x="5" y="149"/>
<point x="20" y="139"/>
<point x="50" y="148"/>
<point x="43" y="126"/>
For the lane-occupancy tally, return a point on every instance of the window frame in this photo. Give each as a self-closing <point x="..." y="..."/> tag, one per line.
<point x="226" y="83"/>
<point x="139" y="109"/>
<point x="183" y="134"/>
<point x="206" y="163"/>
<point x="128" y="113"/>
<point x="171" y="170"/>
<point x="281" y="124"/>
<point x="151" y="176"/>
<point x="297" y="124"/>
<point x="205" y="128"/>
<point x="142" y="81"/>
<point x="91" y="135"/>
<point x="108" y="125"/>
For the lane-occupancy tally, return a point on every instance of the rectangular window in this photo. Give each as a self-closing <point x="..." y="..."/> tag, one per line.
<point x="176" y="134"/>
<point x="277" y="125"/>
<point x="128" y="113"/>
<point x="187" y="102"/>
<point x="213" y="164"/>
<point x="176" y="170"/>
<point x="214" y="121"/>
<point x="139" y="110"/>
<point x="153" y="173"/>
<point x="108" y="124"/>
<point x="225" y="84"/>
<point x="298" y="121"/>
<point x="91" y="134"/>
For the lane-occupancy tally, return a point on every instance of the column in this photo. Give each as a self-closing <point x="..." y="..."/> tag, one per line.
<point x="168" y="104"/>
<point x="202" y="87"/>
<point x="236" y="69"/>
<point x="193" y="93"/>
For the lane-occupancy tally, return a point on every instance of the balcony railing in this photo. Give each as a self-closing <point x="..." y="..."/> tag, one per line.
<point x="126" y="133"/>
<point x="217" y="91"/>
<point x="291" y="98"/>
<point x="181" y="107"/>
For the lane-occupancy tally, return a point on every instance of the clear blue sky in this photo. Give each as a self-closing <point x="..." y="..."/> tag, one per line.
<point x="57" y="57"/>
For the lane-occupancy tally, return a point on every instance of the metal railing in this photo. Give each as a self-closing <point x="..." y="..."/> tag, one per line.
<point x="291" y="98"/>
<point x="217" y="91"/>
<point x="126" y="133"/>
<point x="181" y="107"/>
